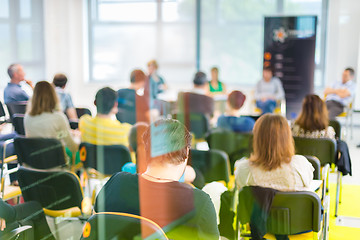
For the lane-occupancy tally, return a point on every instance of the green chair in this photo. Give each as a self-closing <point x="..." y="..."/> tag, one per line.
<point x="236" y="145"/>
<point x="40" y="153"/>
<point x="337" y="127"/>
<point x="325" y="150"/>
<point x="114" y="225"/>
<point x="106" y="159"/>
<point x="290" y="213"/>
<point x="197" y="123"/>
<point x="58" y="192"/>
<point x="316" y="165"/>
<point x="213" y="164"/>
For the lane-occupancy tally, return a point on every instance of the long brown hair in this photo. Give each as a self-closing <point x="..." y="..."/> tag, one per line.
<point x="273" y="143"/>
<point x="44" y="99"/>
<point x="314" y="114"/>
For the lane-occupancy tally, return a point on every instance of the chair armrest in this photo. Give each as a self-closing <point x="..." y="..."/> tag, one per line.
<point x="13" y="233"/>
<point x="10" y="159"/>
<point x="70" y="212"/>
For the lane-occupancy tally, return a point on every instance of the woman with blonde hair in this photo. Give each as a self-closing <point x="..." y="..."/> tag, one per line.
<point x="157" y="82"/>
<point x="313" y="120"/>
<point x="44" y="119"/>
<point x="273" y="163"/>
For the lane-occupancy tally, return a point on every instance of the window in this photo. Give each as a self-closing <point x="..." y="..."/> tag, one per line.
<point x="126" y="34"/>
<point x="21" y="39"/>
<point x="232" y="36"/>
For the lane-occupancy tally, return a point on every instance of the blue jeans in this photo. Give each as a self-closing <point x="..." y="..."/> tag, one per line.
<point x="266" y="107"/>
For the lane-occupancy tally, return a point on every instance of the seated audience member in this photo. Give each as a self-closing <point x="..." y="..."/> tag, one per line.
<point x="157" y="194"/>
<point x="103" y="129"/>
<point x="197" y="101"/>
<point x="135" y="139"/>
<point x="29" y="213"/>
<point x="44" y="119"/>
<point x="231" y="119"/>
<point x="273" y="163"/>
<point x="60" y="81"/>
<point x="13" y="91"/>
<point x="341" y="94"/>
<point x="268" y="91"/>
<point x="157" y="83"/>
<point x="215" y="86"/>
<point x="313" y="120"/>
<point x="133" y="102"/>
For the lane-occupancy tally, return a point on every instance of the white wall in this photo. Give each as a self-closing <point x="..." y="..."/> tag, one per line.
<point x="65" y="48"/>
<point x="343" y="45"/>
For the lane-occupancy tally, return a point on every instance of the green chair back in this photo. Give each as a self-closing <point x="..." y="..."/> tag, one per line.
<point x="337" y="127"/>
<point x="107" y="159"/>
<point x="290" y="213"/>
<point x="40" y="153"/>
<point x="213" y="164"/>
<point x="112" y="225"/>
<point x="236" y="145"/>
<point x="54" y="190"/>
<point x="322" y="148"/>
<point x="315" y="162"/>
<point x="197" y="123"/>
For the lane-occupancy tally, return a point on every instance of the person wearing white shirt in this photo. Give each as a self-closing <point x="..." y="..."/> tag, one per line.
<point x="268" y="91"/>
<point x="341" y="94"/>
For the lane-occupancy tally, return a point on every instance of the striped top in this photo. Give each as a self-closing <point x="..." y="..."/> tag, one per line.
<point x="103" y="131"/>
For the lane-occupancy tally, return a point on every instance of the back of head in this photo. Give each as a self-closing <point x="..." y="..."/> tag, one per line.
<point x="236" y="99"/>
<point x="137" y="76"/>
<point x="44" y="99"/>
<point x="273" y="143"/>
<point x="153" y="63"/>
<point x="200" y="79"/>
<point x="105" y="100"/>
<point x="314" y="114"/>
<point x="13" y="68"/>
<point x="167" y="141"/>
<point x="60" y="80"/>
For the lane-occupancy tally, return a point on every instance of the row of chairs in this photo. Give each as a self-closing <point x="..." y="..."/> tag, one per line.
<point x="60" y="192"/>
<point x="17" y="111"/>
<point x="291" y="212"/>
<point x="238" y="145"/>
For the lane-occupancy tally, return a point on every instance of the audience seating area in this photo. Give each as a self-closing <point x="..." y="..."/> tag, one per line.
<point x="62" y="186"/>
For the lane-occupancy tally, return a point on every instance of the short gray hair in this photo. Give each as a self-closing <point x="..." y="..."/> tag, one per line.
<point x="12" y="69"/>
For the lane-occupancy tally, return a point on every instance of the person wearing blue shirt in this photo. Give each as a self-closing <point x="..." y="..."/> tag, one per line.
<point x="231" y="119"/>
<point x="13" y="91"/>
<point x="341" y="94"/>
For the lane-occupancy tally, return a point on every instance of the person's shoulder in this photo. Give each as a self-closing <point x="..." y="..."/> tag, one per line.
<point x="85" y="119"/>
<point x="276" y="80"/>
<point x="299" y="161"/>
<point x="222" y="118"/>
<point x="123" y="178"/>
<point x="201" y="195"/>
<point x="247" y="119"/>
<point x="126" y="126"/>
<point x="242" y="163"/>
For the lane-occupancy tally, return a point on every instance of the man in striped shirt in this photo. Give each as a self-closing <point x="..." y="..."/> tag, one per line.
<point x="104" y="129"/>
